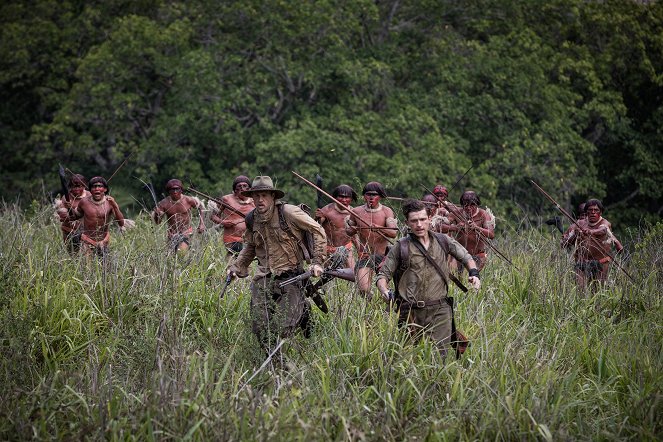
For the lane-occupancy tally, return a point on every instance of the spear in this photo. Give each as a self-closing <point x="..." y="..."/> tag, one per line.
<point x="318" y="182"/>
<point x="459" y="214"/>
<point x="340" y="204"/>
<point x="573" y="221"/>
<point x="216" y="200"/>
<point x="395" y="198"/>
<point x="459" y="179"/>
<point x="120" y="166"/>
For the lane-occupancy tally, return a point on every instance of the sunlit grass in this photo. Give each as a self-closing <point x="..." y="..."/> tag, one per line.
<point x="144" y="348"/>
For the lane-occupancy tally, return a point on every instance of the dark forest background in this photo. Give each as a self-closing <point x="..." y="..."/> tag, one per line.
<point x="567" y="92"/>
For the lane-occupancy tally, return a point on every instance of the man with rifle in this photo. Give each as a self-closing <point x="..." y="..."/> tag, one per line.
<point x="74" y="191"/>
<point x="232" y="220"/>
<point x="471" y="226"/>
<point x="176" y="207"/>
<point x="282" y="237"/>
<point x="418" y="266"/>
<point x="376" y="225"/>
<point x="332" y="218"/>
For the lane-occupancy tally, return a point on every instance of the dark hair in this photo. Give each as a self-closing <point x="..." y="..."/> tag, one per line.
<point x="344" y="190"/>
<point x="429" y="196"/>
<point x="411" y="205"/>
<point x="173" y="183"/>
<point x="76" y="179"/>
<point x="374" y="186"/>
<point x="241" y="179"/>
<point x="594" y="202"/>
<point x="470" y="197"/>
<point x="98" y="179"/>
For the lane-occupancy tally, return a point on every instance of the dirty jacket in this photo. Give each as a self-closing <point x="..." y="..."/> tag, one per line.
<point x="276" y="250"/>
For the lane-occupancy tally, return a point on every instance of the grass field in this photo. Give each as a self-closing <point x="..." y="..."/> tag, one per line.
<point x="145" y="349"/>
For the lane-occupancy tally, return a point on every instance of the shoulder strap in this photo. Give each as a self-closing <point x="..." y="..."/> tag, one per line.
<point x="248" y="220"/>
<point x="420" y="247"/>
<point x="442" y="239"/>
<point x="403" y="261"/>
<point x="308" y="238"/>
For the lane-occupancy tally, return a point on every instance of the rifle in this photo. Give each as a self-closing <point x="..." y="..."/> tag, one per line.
<point x="340" y="204"/>
<point x="63" y="182"/>
<point x="573" y="221"/>
<point x="347" y="274"/>
<point x="218" y="201"/>
<point x="229" y="279"/>
<point x="311" y="290"/>
<point x="459" y="214"/>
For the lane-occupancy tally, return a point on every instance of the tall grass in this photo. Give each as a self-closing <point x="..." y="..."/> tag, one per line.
<point x="143" y="348"/>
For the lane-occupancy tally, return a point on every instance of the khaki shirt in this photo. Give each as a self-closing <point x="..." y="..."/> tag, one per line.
<point x="276" y="250"/>
<point x="421" y="282"/>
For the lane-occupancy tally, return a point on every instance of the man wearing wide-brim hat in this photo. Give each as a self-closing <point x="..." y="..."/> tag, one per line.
<point x="277" y="234"/>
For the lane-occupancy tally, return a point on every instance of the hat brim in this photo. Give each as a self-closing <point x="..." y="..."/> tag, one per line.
<point x="277" y="193"/>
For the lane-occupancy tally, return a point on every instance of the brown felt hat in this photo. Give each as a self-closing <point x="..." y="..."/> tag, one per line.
<point x="263" y="184"/>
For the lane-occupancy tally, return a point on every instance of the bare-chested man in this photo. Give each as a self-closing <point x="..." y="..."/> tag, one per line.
<point x="97" y="211"/>
<point x="470" y="226"/>
<point x="177" y="209"/>
<point x="233" y="223"/>
<point x="372" y="234"/>
<point x="592" y="239"/>
<point x="332" y="218"/>
<point x="72" y="229"/>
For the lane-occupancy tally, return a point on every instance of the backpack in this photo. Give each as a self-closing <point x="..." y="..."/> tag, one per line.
<point x="306" y="244"/>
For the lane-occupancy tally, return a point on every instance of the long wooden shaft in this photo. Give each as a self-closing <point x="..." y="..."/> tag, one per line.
<point x="218" y="201"/>
<point x="340" y="204"/>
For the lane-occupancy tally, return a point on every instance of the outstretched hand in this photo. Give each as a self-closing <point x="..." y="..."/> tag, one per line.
<point x="475" y="282"/>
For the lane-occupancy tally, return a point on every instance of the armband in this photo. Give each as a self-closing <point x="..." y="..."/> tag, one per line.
<point x="474" y="272"/>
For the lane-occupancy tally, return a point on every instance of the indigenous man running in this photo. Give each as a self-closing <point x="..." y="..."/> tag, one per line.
<point x="233" y="223"/>
<point x="332" y="218"/>
<point x="471" y="226"/>
<point x="97" y="212"/>
<point x="177" y="209"/>
<point x="379" y="224"/>
<point x="592" y="239"/>
<point x="71" y="230"/>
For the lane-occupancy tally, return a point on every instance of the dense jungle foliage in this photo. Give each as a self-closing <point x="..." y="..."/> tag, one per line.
<point x="406" y="92"/>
